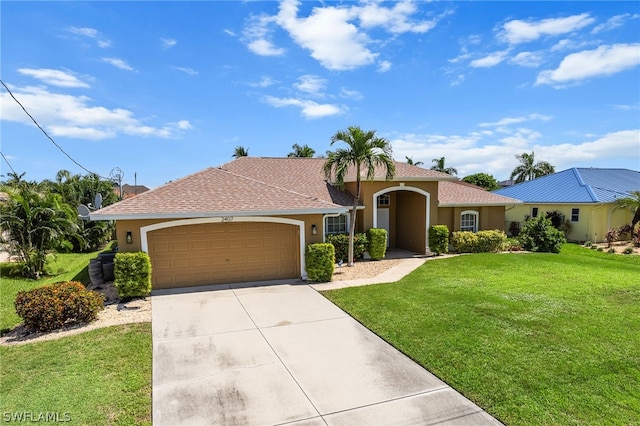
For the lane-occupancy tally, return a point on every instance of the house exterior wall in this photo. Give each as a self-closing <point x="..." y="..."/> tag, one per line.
<point x="593" y="223"/>
<point x="133" y="226"/>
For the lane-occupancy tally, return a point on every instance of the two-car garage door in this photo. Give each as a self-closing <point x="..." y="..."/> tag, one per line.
<point x="216" y="253"/>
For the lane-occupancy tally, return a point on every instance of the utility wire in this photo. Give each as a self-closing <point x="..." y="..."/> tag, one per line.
<point x="47" y="135"/>
<point x="8" y="164"/>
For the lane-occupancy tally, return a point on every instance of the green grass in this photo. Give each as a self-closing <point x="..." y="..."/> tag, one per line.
<point x="63" y="267"/>
<point x="95" y="378"/>
<point x="531" y="338"/>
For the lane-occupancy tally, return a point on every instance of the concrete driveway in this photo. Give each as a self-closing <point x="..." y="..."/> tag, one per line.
<point x="283" y="354"/>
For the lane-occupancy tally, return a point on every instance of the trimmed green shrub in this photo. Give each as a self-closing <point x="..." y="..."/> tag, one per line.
<point x="55" y="305"/>
<point x="132" y="272"/>
<point x="319" y="260"/>
<point x="341" y="244"/>
<point x="439" y="239"/>
<point x="511" y="244"/>
<point x="538" y="234"/>
<point x="478" y="242"/>
<point x="377" y="243"/>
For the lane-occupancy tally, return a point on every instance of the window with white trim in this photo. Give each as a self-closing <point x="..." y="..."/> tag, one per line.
<point x="335" y="224"/>
<point x="469" y="221"/>
<point x="575" y="215"/>
<point x="384" y="200"/>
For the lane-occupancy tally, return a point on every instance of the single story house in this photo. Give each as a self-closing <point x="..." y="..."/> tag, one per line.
<point x="585" y="196"/>
<point x="250" y="219"/>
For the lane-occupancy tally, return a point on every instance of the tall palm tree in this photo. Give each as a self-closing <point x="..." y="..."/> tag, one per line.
<point x="413" y="163"/>
<point x="240" y="151"/>
<point x="439" y="166"/>
<point x="529" y="169"/>
<point x="632" y="202"/>
<point x="301" y="151"/>
<point x="365" y="152"/>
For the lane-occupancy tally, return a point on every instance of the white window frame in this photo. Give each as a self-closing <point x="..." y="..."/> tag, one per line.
<point x="384" y="200"/>
<point x="475" y="216"/>
<point x="576" y="214"/>
<point x="326" y="224"/>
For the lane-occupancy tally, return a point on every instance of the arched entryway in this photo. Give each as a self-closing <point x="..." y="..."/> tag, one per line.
<point x="405" y="215"/>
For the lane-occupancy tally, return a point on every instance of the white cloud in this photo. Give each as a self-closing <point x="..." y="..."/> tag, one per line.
<point x="90" y="33"/>
<point x="528" y="59"/>
<point x="605" y="60"/>
<point x="331" y="33"/>
<point x="515" y="120"/>
<point x="480" y="152"/>
<point x="257" y="34"/>
<point x="74" y="117"/>
<point x="309" y="109"/>
<point x="85" y="31"/>
<point x="395" y="19"/>
<point x="54" y="77"/>
<point x="518" y="31"/>
<point x="327" y="33"/>
<point x="614" y="22"/>
<point x="186" y="70"/>
<point x="350" y="94"/>
<point x="168" y="43"/>
<point x="311" y="84"/>
<point x="384" y="66"/>
<point x="118" y="63"/>
<point x="229" y="32"/>
<point x="265" y="81"/>
<point x="457" y="80"/>
<point x="490" y="60"/>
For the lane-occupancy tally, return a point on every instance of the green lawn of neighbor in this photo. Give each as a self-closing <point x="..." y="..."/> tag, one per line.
<point x="532" y="338"/>
<point x="95" y="378"/>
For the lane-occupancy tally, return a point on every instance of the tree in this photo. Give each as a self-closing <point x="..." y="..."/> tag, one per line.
<point x="365" y="152"/>
<point x="529" y="169"/>
<point x="484" y="180"/>
<point x="240" y="151"/>
<point x="439" y="166"/>
<point x="33" y="223"/>
<point x="413" y="163"/>
<point x="302" y="151"/>
<point x="632" y="202"/>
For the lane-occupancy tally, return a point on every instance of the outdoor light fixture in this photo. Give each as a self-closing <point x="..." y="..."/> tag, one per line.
<point x="129" y="238"/>
<point x="314" y="230"/>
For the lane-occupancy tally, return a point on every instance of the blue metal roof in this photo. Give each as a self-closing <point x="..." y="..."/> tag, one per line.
<point x="576" y="185"/>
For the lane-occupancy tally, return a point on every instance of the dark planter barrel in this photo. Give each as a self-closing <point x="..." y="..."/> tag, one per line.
<point x="95" y="272"/>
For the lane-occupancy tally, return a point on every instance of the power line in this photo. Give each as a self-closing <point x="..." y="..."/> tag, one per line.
<point x="8" y="164"/>
<point x="47" y="135"/>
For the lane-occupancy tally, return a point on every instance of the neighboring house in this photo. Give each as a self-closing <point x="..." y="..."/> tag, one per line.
<point x="251" y="219"/>
<point x="585" y="196"/>
<point x="129" y="191"/>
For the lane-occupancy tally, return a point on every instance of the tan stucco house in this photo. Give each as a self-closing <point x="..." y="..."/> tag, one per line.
<point x="251" y="219"/>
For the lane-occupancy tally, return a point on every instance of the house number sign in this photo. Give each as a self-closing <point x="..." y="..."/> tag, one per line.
<point x="227" y="219"/>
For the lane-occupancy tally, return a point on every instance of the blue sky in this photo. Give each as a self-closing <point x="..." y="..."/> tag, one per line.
<point x="165" y="89"/>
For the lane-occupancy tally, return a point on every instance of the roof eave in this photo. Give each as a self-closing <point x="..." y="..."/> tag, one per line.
<point x="407" y="179"/>
<point x="189" y="215"/>
<point x="479" y="204"/>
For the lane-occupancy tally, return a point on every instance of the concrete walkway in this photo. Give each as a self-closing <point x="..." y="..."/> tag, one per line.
<point x="283" y="354"/>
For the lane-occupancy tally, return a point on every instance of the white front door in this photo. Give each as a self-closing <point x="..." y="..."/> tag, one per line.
<point x="383" y="221"/>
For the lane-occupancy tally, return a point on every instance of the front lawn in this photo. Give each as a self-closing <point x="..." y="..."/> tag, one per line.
<point x="531" y="338"/>
<point x="95" y="378"/>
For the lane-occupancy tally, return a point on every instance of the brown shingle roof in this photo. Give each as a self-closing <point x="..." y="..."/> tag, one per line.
<point x="213" y="192"/>
<point x="259" y="186"/>
<point x="465" y="194"/>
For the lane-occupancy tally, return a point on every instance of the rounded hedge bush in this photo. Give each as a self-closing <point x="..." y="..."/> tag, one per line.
<point x="341" y="244"/>
<point x="377" y="243"/>
<point x="56" y="305"/>
<point x="319" y="259"/>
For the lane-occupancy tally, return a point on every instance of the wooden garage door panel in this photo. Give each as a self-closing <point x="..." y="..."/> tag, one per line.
<point x="223" y="252"/>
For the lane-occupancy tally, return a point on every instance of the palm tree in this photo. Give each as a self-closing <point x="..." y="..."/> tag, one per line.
<point x="529" y="169"/>
<point x="365" y="151"/>
<point x="439" y="166"/>
<point x="240" y="151"/>
<point x="301" y="151"/>
<point x="632" y="202"/>
<point x="413" y="163"/>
